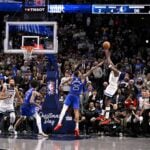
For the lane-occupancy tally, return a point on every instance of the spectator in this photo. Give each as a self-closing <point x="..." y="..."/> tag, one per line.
<point x="65" y="86"/>
<point x="134" y="122"/>
<point x="25" y="67"/>
<point x="98" y="74"/>
<point x="89" y="117"/>
<point x="94" y="97"/>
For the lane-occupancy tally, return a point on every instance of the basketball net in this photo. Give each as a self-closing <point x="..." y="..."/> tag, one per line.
<point x="27" y="52"/>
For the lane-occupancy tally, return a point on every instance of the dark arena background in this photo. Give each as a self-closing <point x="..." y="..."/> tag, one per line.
<point x="47" y="41"/>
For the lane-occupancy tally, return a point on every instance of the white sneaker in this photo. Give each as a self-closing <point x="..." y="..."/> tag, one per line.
<point x="15" y="132"/>
<point x="121" y="134"/>
<point x="43" y="134"/>
<point x="11" y="128"/>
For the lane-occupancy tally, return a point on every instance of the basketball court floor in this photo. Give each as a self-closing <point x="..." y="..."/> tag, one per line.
<point x="68" y="142"/>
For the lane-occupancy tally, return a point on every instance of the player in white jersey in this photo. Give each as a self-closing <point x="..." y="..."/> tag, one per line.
<point x="111" y="89"/>
<point x="113" y="78"/>
<point x="7" y="97"/>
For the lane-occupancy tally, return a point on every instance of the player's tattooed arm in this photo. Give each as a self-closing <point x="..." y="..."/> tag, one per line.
<point x="68" y="80"/>
<point x="92" y="69"/>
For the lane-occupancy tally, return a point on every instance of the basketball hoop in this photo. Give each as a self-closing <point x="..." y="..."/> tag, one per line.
<point x="27" y="52"/>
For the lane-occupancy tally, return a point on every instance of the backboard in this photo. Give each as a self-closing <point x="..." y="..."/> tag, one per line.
<point x="41" y="35"/>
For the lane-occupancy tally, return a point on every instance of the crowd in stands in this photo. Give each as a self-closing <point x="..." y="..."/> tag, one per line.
<point x="80" y="45"/>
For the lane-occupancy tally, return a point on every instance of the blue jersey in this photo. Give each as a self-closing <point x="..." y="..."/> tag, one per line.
<point x="28" y="95"/>
<point x="28" y="109"/>
<point x="76" y="86"/>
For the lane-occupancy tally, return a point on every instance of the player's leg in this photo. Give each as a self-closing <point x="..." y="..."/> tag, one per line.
<point x="23" y="114"/>
<point x="76" y="113"/>
<point x="19" y="121"/>
<point x="2" y="116"/>
<point x="12" y="117"/>
<point x="67" y="103"/>
<point x="61" y="117"/>
<point x="76" y="105"/>
<point x="39" y="124"/>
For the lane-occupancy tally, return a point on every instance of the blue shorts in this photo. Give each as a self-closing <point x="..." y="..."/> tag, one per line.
<point x="73" y="101"/>
<point x="28" y="110"/>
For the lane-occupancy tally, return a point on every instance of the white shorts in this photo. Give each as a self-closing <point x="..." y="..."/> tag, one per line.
<point x="7" y="108"/>
<point x="110" y="90"/>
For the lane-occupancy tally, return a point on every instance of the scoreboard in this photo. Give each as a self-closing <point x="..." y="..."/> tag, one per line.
<point x="121" y="9"/>
<point x="100" y="9"/>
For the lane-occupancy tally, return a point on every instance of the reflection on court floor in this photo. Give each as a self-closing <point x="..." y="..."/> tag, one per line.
<point x="68" y="142"/>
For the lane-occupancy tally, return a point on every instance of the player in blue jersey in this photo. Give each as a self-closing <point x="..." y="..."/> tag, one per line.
<point x="29" y="107"/>
<point x="72" y="99"/>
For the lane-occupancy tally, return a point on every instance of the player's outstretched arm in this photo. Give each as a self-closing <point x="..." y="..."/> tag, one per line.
<point x="112" y="66"/>
<point x="92" y="69"/>
<point x="108" y="58"/>
<point x="69" y="79"/>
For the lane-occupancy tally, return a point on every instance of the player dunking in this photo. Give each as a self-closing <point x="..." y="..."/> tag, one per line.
<point x="29" y="107"/>
<point x="72" y="99"/>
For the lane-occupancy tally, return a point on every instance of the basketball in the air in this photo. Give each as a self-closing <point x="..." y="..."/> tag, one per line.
<point x="106" y="45"/>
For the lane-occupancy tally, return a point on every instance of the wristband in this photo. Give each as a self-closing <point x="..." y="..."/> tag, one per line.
<point x="109" y="66"/>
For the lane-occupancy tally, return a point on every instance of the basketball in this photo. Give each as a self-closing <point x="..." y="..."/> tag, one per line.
<point x="106" y="45"/>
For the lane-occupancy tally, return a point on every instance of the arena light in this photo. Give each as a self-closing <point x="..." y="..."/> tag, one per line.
<point x="146" y="41"/>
